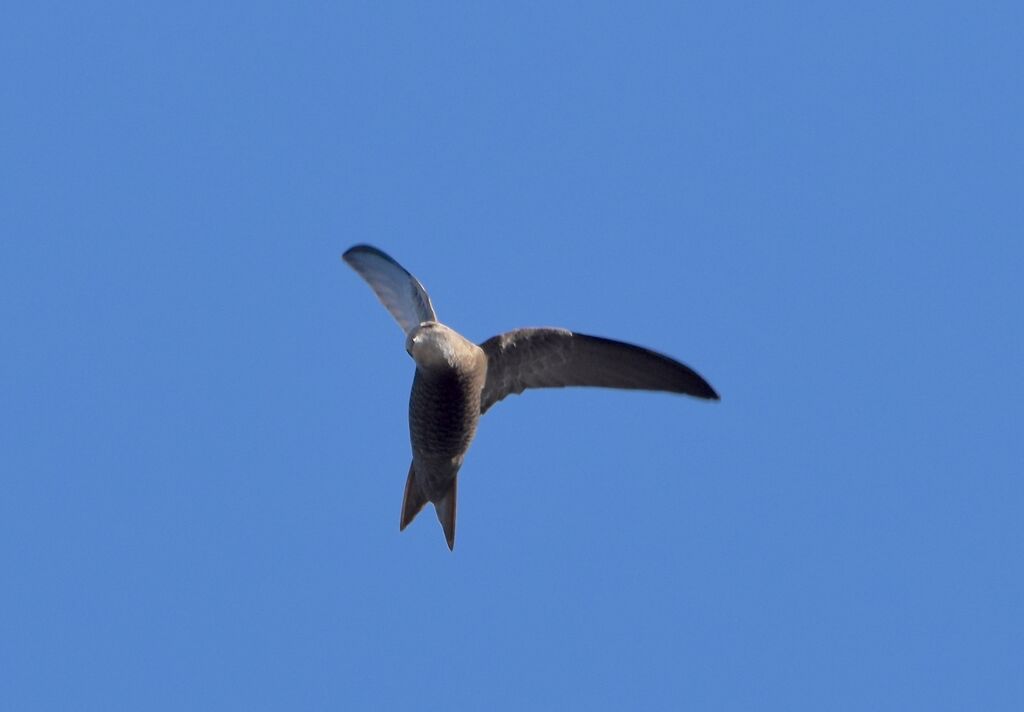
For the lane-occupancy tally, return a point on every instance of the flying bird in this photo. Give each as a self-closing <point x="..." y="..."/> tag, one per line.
<point x="457" y="381"/>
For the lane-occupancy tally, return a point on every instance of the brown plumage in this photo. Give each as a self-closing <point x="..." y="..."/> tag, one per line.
<point x="456" y="380"/>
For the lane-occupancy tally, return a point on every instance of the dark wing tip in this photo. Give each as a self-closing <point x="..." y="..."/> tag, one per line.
<point x="693" y="384"/>
<point x="364" y="248"/>
<point x="680" y="377"/>
<point x="708" y="393"/>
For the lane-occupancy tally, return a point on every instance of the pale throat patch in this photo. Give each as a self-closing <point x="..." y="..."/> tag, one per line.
<point x="434" y="347"/>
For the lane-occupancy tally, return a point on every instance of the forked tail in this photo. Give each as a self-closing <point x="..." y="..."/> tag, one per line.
<point x="414" y="501"/>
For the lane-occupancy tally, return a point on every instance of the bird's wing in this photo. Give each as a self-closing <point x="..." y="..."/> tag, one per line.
<point x="555" y="358"/>
<point x="397" y="290"/>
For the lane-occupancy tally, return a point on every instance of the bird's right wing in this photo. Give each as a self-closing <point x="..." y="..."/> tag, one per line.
<point x="397" y="290"/>
<point x="555" y="358"/>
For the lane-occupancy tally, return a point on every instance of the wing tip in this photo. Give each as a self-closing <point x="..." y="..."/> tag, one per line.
<point x="693" y="384"/>
<point x="707" y="392"/>
<point x="363" y="248"/>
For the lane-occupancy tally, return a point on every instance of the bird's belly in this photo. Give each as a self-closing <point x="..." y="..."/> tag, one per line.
<point x="443" y="413"/>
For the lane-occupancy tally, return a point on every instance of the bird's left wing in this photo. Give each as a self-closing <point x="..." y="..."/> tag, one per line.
<point x="555" y="358"/>
<point x="397" y="290"/>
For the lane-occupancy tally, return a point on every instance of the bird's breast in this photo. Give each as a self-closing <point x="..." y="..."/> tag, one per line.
<point x="444" y="408"/>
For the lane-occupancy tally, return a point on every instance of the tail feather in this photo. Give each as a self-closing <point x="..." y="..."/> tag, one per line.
<point x="413" y="500"/>
<point x="445" y="508"/>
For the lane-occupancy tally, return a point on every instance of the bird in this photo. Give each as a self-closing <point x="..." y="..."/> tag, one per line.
<point x="456" y="380"/>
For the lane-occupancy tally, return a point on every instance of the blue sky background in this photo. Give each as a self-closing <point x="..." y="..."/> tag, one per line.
<point x="204" y="436"/>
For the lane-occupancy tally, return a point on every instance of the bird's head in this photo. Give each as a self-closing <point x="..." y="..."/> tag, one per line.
<point x="433" y="345"/>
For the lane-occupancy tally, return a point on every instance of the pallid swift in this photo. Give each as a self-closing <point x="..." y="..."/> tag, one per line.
<point x="456" y="381"/>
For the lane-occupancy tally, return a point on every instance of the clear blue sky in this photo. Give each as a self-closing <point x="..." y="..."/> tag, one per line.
<point x="204" y="437"/>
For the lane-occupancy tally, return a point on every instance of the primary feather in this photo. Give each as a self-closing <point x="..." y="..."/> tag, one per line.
<point x="397" y="290"/>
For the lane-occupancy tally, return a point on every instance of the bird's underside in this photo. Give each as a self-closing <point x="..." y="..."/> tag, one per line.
<point x="456" y="381"/>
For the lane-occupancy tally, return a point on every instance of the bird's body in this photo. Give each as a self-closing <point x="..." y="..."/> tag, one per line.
<point x="444" y="409"/>
<point x="456" y="381"/>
